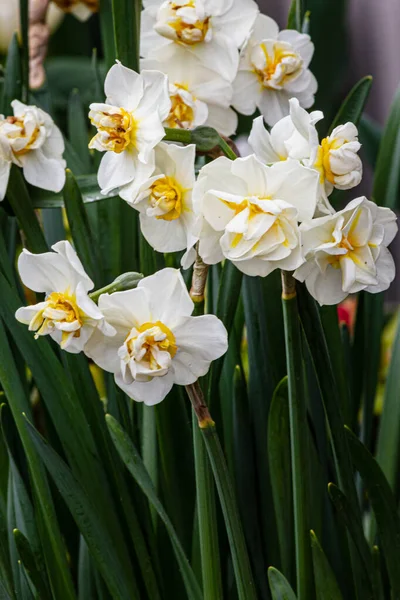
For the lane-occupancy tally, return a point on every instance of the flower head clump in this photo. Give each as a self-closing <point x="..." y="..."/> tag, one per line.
<point x="250" y="213"/>
<point x="274" y="68"/>
<point x="81" y="9"/>
<point x="158" y="342"/>
<point x="347" y="252"/>
<point x="129" y="125"/>
<point x="212" y="30"/>
<point x="67" y="313"/>
<point x="199" y="96"/>
<point x="295" y="136"/>
<point x="165" y="199"/>
<point x="31" y="140"/>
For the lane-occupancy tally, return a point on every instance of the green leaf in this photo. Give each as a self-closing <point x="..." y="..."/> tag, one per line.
<point x="326" y="585"/>
<point x="281" y="472"/>
<point x="119" y="581"/>
<point x="78" y="129"/>
<point x="20" y="202"/>
<point x="387" y="453"/>
<point x="384" y="506"/>
<point x="54" y="549"/>
<point x="298" y="436"/>
<point x="353" y="105"/>
<point x="85" y="572"/>
<point x="107" y="32"/>
<point x="80" y="229"/>
<point x="347" y="515"/>
<point x="280" y="587"/>
<point x="291" y="22"/>
<point x="30" y="565"/>
<point x="135" y="466"/>
<point x="126" y="17"/>
<point x="387" y="171"/>
<point x="24" y="25"/>
<point x="205" y="138"/>
<point x="12" y="88"/>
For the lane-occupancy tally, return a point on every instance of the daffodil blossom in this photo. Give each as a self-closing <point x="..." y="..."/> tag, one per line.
<point x="213" y="30"/>
<point x="296" y="136"/>
<point x="129" y="125"/>
<point x="81" y="9"/>
<point x="199" y="96"/>
<point x="31" y="140"/>
<point x="165" y="199"/>
<point x="158" y="342"/>
<point x="274" y="68"/>
<point x="347" y="252"/>
<point x="250" y="213"/>
<point x="67" y="313"/>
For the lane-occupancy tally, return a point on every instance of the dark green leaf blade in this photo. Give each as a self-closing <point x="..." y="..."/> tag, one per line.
<point x="326" y="585"/>
<point x="280" y="587"/>
<point x="353" y="105"/>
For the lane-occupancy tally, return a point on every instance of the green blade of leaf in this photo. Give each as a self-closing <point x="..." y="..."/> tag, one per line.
<point x="387" y="171"/>
<point x="383" y="504"/>
<point x="126" y="17"/>
<point x="24" y="25"/>
<point x="78" y="129"/>
<point x="135" y="466"/>
<point x="281" y="472"/>
<point x="280" y="587"/>
<point x="88" y="520"/>
<point x="80" y="229"/>
<point x="54" y="550"/>
<point x="326" y="585"/>
<point x="348" y="517"/>
<point x="12" y="88"/>
<point x="353" y="105"/>
<point x="85" y="572"/>
<point x="30" y="564"/>
<point x="298" y="437"/>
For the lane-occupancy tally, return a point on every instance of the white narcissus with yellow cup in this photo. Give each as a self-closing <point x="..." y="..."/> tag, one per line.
<point x="158" y="342"/>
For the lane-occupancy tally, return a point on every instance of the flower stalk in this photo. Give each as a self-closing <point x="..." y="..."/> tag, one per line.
<point x="298" y="433"/>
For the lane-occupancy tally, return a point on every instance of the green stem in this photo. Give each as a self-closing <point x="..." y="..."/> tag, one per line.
<point x="126" y="281"/>
<point x="226" y="149"/>
<point x="240" y="558"/>
<point x="184" y="136"/>
<point x="298" y="429"/>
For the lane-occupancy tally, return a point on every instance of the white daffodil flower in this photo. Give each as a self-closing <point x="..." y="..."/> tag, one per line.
<point x="129" y="125"/>
<point x="274" y="68"/>
<point x="199" y="96"/>
<point x="158" y="342"/>
<point x="337" y="160"/>
<point x="291" y="137"/>
<point x="31" y="140"/>
<point x="250" y="213"/>
<point x="81" y="9"/>
<point x="67" y="314"/>
<point x="347" y="252"/>
<point x="296" y="136"/>
<point x="213" y="30"/>
<point x="165" y="199"/>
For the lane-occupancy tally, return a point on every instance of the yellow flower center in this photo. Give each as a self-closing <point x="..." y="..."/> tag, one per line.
<point x="188" y="33"/>
<point x="19" y="122"/>
<point x="60" y="308"/>
<point x="166" y="196"/>
<point x="181" y="115"/>
<point x="151" y="336"/>
<point x="281" y="67"/>
<point x="115" y="131"/>
<point x="322" y="162"/>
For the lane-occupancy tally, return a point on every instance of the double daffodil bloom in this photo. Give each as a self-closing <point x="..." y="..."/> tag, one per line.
<point x="199" y="96"/>
<point x="158" y="342"/>
<point x="347" y="252"/>
<point x="212" y="30"/>
<point x="67" y="313"/>
<point x="31" y="140"/>
<point x="250" y="213"/>
<point x="129" y="125"/>
<point x="274" y="68"/>
<point x="165" y="199"/>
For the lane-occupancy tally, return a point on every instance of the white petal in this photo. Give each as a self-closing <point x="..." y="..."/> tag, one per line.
<point x="326" y="289"/>
<point x="127" y="309"/>
<point x="151" y="392"/>
<point x="167" y="296"/>
<point x="261" y="143"/>
<point x="265" y="28"/>
<point x="273" y="105"/>
<point x="224" y="120"/>
<point x="386" y="271"/>
<point x="301" y="42"/>
<point x="47" y="272"/>
<point x="238" y="21"/>
<point x="295" y="184"/>
<point x="221" y="52"/>
<point x="155" y="95"/>
<point x="43" y="172"/>
<point x="162" y="235"/>
<point x="78" y="274"/>
<point x="246" y="92"/>
<point x="5" y="167"/>
<point x="116" y="170"/>
<point x="123" y="87"/>
<point x="104" y="350"/>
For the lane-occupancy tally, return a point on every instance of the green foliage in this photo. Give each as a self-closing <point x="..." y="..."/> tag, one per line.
<point x="101" y="497"/>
